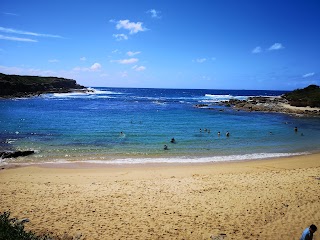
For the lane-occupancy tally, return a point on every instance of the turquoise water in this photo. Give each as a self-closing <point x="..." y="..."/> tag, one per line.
<point x="87" y="127"/>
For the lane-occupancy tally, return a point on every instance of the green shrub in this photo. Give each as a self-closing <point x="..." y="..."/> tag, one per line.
<point x="9" y="230"/>
<point x="309" y="96"/>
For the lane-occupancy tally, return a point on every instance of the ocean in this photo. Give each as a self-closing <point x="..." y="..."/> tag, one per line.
<point x="132" y="125"/>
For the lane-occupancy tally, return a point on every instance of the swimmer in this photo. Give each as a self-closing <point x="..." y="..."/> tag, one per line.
<point x="219" y="134"/>
<point x="165" y="147"/>
<point x="227" y="134"/>
<point x="296" y="129"/>
<point x="173" y="140"/>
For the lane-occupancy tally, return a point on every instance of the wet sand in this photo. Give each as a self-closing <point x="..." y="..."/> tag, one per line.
<point x="263" y="199"/>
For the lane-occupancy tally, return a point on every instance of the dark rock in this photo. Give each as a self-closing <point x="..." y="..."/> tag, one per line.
<point x="15" y="154"/>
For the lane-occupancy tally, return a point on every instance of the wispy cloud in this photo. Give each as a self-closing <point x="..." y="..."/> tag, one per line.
<point x="200" y="60"/>
<point x="53" y="60"/>
<point x="126" y="61"/>
<point x="257" y="50"/>
<point x="154" y="13"/>
<point x="26" y="71"/>
<point x="21" y="32"/>
<point x="120" y="37"/>
<point x="308" y="75"/>
<point x="124" y="74"/>
<point x="139" y="68"/>
<point x="276" y="46"/>
<point x="17" y="39"/>
<point x="83" y="59"/>
<point x="132" y="53"/>
<point x="10" y="14"/>
<point x="132" y="27"/>
<point x="94" y="68"/>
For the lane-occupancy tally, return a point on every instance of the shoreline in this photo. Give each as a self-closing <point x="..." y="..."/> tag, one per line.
<point x="83" y="162"/>
<point x="255" y="199"/>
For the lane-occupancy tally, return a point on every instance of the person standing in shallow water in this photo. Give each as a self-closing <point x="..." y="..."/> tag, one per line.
<point x="307" y="234"/>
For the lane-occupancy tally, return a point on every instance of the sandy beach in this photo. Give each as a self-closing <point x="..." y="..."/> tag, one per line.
<point x="263" y="199"/>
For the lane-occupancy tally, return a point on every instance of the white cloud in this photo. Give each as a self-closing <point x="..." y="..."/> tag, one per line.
<point x="139" y="68"/>
<point x="120" y="37"/>
<point x="15" y="31"/>
<point x="26" y="71"/>
<point x="276" y="46"/>
<point x="10" y="14"/>
<point x="154" y="13"/>
<point x="83" y="59"/>
<point x="126" y="61"/>
<point x="115" y="51"/>
<point x="200" y="60"/>
<point x="124" y="74"/>
<point x="131" y="26"/>
<point x="132" y="53"/>
<point x="95" y="67"/>
<point x="17" y="39"/>
<point x="308" y="75"/>
<point x="257" y="50"/>
<point x="53" y="61"/>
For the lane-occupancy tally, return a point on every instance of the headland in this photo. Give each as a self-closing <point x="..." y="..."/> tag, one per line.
<point x="16" y="86"/>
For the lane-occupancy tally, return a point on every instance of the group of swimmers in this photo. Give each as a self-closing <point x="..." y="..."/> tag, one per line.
<point x="219" y="133"/>
<point x="165" y="147"/>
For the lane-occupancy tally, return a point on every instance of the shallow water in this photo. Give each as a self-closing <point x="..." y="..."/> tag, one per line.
<point x="69" y="127"/>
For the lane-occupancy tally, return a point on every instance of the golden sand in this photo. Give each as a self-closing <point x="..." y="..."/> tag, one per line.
<point x="265" y="199"/>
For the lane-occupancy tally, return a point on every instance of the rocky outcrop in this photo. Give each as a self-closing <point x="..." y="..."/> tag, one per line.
<point x="15" y="154"/>
<point x="22" y="86"/>
<point x="270" y="104"/>
<point x="263" y="104"/>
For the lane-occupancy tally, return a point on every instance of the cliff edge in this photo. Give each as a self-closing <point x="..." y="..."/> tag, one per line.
<point x="12" y="86"/>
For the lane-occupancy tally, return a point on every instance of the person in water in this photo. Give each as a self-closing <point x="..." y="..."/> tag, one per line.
<point x="173" y="140"/>
<point x="165" y="147"/>
<point x="227" y="134"/>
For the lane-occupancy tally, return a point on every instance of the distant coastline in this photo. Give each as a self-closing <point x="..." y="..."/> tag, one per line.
<point x="16" y="86"/>
<point x="298" y="102"/>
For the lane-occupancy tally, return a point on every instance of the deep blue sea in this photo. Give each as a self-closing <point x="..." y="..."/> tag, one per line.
<point x="132" y="125"/>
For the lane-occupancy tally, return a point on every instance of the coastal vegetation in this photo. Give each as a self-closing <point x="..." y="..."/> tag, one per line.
<point x="10" y="229"/>
<point x="309" y="96"/>
<point x="13" y="229"/>
<point x="23" y="86"/>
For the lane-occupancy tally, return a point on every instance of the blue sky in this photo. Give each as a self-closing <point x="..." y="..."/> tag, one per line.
<point x="239" y="44"/>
